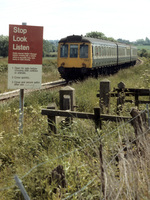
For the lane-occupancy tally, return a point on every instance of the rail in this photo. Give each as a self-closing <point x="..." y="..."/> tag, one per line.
<point x="49" y="85"/>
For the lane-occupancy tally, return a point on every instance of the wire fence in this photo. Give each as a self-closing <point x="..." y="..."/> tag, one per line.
<point x="98" y="138"/>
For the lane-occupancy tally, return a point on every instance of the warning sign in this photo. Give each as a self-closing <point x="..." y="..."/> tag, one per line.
<point x="25" y="57"/>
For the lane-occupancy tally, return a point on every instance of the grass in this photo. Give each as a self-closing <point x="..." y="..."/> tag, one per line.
<point x="34" y="154"/>
<point x="147" y="47"/>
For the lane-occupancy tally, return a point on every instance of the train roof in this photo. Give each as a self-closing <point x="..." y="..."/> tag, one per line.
<point x="78" y="38"/>
<point x="82" y="39"/>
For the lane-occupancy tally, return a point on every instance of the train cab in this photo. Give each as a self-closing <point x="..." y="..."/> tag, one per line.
<point x="74" y="56"/>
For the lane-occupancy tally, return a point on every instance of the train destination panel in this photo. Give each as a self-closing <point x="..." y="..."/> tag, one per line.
<point x="25" y="57"/>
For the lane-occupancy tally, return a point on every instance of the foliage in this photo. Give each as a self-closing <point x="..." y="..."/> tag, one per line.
<point x="95" y="34"/>
<point x="143" y="42"/>
<point x="48" y="47"/>
<point x="98" y="35"/>
<point x="144" y="53"/>
<point x="3" y="74"/>
<point x="123" y="41"/>
<point x="3" y="46"/>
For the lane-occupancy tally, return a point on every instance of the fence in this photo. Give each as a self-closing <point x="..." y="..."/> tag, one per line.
<point x="137" y="119"/>
<point x="121" y="93"/>
<point x="139" y="124"/>
<point x="141" y="130"/>
<point x="67" y="106"/>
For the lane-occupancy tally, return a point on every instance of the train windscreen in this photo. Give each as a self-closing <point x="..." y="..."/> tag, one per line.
<point x="64" y="51"/>
<point x="73" y="51"/>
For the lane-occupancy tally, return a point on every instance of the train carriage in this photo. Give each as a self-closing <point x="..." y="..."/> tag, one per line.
<point x="124" y="55"/>
<point x="104" y="53"/>
<point x="133" y="55"/>
<point x="80" y="56"/>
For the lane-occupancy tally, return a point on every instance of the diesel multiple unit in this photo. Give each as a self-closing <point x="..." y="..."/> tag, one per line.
<point x="80" y="56"/>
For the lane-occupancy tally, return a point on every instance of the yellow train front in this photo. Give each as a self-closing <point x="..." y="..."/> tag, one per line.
<point x="74" y="57"/>
<point x="80" y="56"/>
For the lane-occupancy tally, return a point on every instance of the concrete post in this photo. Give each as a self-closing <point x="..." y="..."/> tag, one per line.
<point x="63" y="96"/>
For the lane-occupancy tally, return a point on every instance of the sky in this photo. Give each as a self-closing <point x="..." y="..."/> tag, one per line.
<point x="125" y="19"/>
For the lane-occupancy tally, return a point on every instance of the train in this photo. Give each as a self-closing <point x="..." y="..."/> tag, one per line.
<point x="80" y="56"/>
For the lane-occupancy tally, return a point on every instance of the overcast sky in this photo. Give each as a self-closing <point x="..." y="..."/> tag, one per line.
<point x="126" y="19"/>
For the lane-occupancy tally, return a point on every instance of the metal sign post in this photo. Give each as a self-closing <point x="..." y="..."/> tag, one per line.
<point x="21" y="106"/>
<point x="21" y="187"/>
<point x="21" y="111"/>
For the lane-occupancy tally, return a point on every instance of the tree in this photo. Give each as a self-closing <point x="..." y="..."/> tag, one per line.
<point x="140" y="41"/>
<point x="99" y="35"/>
<point x="3" y="46"/>
<point x="48" y="47"/>
<point x="96" y="34"/>
<point x="147" y="41"/>
<point x="111" y="39"/>
<point x="123" y="41"/>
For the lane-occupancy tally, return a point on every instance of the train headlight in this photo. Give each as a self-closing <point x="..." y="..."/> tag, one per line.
<point x="83" y="65"/>
<point x="63" y="64"/>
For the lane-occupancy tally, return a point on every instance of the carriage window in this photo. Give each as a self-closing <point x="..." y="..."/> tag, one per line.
<point x="64" y="51"/>
<point x="83" y="51"/>
<point x="73" y="51"/>
<point x="96" y="51"/>
<point x="99" y="51"/>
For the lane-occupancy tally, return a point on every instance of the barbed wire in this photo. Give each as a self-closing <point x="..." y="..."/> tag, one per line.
<point x="91" y="181"/>
<point x="73" y="151"/>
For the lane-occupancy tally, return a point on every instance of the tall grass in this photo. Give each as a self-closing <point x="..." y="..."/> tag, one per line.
<point x="35" y="153"/>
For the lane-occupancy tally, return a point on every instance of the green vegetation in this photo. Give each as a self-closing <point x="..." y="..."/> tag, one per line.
<point x="3" y="74"/>
<point x="146" y="47"/>
<point x="144" y="51"/>
<point x="3" y="46"/>
<point x="34" y="154"/>
<point x="49" y="69"/>
<point x="49" y="48"/>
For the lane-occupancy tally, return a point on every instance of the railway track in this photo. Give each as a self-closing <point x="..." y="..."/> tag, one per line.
<point x="50" y="85"/>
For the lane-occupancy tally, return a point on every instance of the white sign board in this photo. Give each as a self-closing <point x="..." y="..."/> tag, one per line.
<point x="24" y="76"/>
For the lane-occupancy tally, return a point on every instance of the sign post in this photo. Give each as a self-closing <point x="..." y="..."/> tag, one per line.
<point x="25" y="60"/>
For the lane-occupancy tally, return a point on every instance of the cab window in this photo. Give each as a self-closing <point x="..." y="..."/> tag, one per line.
<point x="73" y="51"/>
<point x="64" y="51"/>
<point x="83" y="51"/>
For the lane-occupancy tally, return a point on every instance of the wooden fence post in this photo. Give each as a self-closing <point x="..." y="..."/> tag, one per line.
<point x="121" y="97"/>
<point x="139" y="123"/>
<point x="97" y="118"/>
<point x="99" y="125"/>
<point x="104" y="95"/>
<point x="136" y="99"/>
<point x="52" y="119"/>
